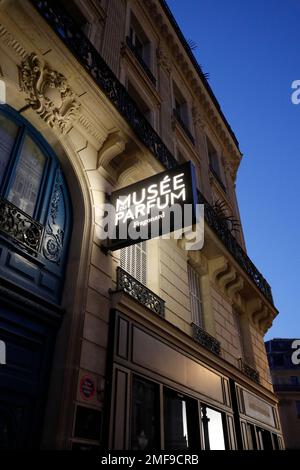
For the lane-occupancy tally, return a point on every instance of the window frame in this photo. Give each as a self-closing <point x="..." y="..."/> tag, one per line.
<point x="26" y="129"/>
<point x="196" y="281"/>
<point x="42" y="212"/>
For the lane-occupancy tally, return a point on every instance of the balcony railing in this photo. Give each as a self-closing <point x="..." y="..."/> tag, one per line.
<point x="140" y="60"/>
<point x="92" y="62"/>
<point x="205" y="339"/>
<point x="249" y="371"/>
<point x="182" y="124"/>
<point x="21" y="228"/>
<point x="140" y="292"/>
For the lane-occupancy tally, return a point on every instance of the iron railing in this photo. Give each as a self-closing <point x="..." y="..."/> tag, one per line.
<point x="205" y="339"/>
<point x="249" y="371"/>
<point x="92" y="62"/>
<point x="20" y="227"/>
<point x="140" y="292"/>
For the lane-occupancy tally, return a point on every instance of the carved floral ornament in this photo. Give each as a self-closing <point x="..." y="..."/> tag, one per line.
<point x="48" y="93"/>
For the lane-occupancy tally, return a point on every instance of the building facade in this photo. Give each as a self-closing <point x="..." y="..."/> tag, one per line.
<point x="284" y="361"/>
<point x="152" y="346"/>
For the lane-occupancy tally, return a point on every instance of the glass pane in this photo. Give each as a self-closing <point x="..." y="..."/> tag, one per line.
<point x="25" y="188"/>
<point x="145" y="420"/>
<point x="181" y="422"/>
<point x="8" y="134"/>
<point x="215" y="429"/>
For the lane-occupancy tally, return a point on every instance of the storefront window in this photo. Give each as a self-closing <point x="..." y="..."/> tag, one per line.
<point x="213" y="429"/>
<point x="276" y="442"/>
<point x="145" y="415"/>
<point x="181" y="426"/>
<point x="252" y="442"/>
<point x="266" y="439"/>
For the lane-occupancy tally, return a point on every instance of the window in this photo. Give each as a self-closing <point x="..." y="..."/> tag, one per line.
<point x="180" y="107"/>
<point x="133" y="259"/>
<point x="265" y="439"/>
<point x="139" y="42"/>
<point x="77" y="15"/>
<point x="298" y="408"/>
<point x="276" y="442"/>
<point x="294" y="380"/>
<point x="181" y="427"/>
<point x="140" y="103"/>
<point x="24" y="165"/>
<point x="8" y="133"/>
<point x="145" y="415"/>
<point x="195" y="296"/>
<point x="35" y="207"/>
<point x="251" y="437"/>
<point x="239" y="334"/>
<point x="27" y="179"/>
<point x="278" y="360"/>
<point x="213" y="429"/>
<point x="213" y="158"/>
<point x="214" y="163"/>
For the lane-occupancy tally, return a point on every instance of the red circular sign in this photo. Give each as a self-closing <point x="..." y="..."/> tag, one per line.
<point x="87" y="387"/>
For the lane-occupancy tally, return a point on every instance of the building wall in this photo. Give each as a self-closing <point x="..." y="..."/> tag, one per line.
<point x="99" y="153"/>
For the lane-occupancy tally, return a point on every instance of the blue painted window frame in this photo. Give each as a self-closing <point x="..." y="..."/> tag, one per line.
<point x="46" y="189"/>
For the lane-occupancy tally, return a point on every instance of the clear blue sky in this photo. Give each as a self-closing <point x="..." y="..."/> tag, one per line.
<point x="251" y="49"/>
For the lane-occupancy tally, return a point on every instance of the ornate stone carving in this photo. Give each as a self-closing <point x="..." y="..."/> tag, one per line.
<point x="48" y="93"/>
<point x="54" y="234"/>
<point x="163" y="60"/>
<point x="94" y="64"/>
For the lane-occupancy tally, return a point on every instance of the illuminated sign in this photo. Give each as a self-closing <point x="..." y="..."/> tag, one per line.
<point x="153" y="207"/>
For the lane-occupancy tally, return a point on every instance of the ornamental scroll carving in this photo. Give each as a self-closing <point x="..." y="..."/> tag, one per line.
<point x="54" y="230"/>
<point x="48" y="93"/>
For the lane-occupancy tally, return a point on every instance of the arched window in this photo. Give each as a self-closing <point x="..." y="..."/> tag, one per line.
<point x="35" y="210"/>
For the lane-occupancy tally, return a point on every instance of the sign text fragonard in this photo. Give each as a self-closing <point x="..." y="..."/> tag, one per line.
<point x="153" y="207"/>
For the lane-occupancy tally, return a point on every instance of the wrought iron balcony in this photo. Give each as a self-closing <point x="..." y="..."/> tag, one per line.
<point x="205" y="339"/>
<point x="218" y="178"/>
<point x="92" y="62"/>
<point x="21" y="228"/>
<point x="249" y="371"/>
<point x="140" y="292"/>
<point x="140" y="60"/>
<point x="182" y="124"/>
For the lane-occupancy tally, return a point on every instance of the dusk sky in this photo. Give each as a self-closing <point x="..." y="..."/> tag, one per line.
<point x="251" y="50"/>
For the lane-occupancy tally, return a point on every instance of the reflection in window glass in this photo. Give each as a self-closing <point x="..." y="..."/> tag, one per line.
<point x="176" y="430"/>
<point x="8" y="133"/>
<point x="252" y="443"/>
<point x="213" y="429"/>
<point x="25" y="188"/>
<point x="145" y="421"/>
<point x="181" y="421"/>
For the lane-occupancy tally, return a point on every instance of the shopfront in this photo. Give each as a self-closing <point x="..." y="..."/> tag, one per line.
<point x="163" y="397"/>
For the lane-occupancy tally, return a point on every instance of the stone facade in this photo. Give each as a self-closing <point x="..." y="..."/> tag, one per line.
<point x="99" y="152"/>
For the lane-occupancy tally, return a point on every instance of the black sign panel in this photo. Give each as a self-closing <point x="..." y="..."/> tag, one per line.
<point x="153" y="207"/>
